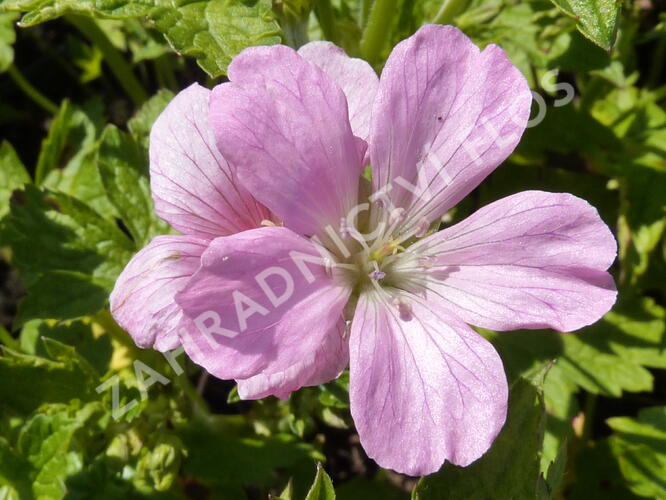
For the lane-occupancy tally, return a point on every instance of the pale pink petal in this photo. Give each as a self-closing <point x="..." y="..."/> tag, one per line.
<point x="142" y="301"/>
<point x="282" y="123"/>
<point x="193" y="187"/>
<point x="446" y="115"/>
<point x="355" y="76"/>
<point x="530" y="260"/>
<point x="242" y="331"/>
<point x="322" y="365"/>
<point x="424" y="387"/>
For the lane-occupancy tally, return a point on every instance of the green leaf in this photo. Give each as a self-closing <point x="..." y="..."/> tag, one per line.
<point x="287" y="492"/>
<point x="39" y="11"/>
<point x="555" y="470"/>
<point x="46" y="442"/>
<point x="62" y="295"/>
<point x="510" y="469"/>
<point x="212" y="31"/>
<point x="226" y="444"/>
<point x="95" y="348"/>
<point x="158" y="466"/>
<point x="233" y="396"/>
<point x="596" y="19"/>
<point x="88" y="58"/>
<point x="141" y="123"/>
<point x="122" y="166"/>
<point x="606" y="358"/>
<point x="215" y="31"/>
<point x="67" y="159"/>
<point x="7" y="39"/>
<point x="15" y="480"/>
<point x="55" y="142"/>
<point x="322" y="488"/>
<point x="54" y="232"/>
<point x="61" y="377"/>
<point x="13" y="175"/>
<point x="639" y="445"/>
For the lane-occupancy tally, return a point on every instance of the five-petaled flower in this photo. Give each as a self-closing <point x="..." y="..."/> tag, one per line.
<point x="292" y="265"/>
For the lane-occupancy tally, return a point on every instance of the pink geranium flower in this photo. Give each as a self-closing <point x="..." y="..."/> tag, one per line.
<point x="292" y="266"/>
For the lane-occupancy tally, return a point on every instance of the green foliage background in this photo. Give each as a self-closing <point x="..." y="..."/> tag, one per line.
<point x="81" y="82"/>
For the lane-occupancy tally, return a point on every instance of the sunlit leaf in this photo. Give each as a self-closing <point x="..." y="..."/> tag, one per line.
<point x="51" y="231"/>
<point x="123" y="166"/>
<point x="596" y="19"/>
<point x="13" y="175"/>
<point x="322" y="488"/>
<point x="640" y="448"/>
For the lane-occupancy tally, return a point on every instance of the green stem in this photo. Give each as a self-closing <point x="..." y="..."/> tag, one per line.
<point x="7" y="339"/>
<point x="34" y="94"/>
<point x="377" y="30"/>
<point x="364" y="12"/>
<point x="448" y="11"/>
<point x="119" y="67"/>
<point x="326" y="17"/>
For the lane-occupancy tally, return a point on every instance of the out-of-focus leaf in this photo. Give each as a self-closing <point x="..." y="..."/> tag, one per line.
<point x="145" y="44"/>
<point x="62" y="295"/>
<point x="598" y="475"/>
<point x="640" y="448"/>
<point x="227" y="444"/>
<point x="88" y="58"/>
<point x="233" y="396"/>
<point x="83" y="335"/>
<point x="141" y="123"/>
<point x="510" y="469"/>
<point x="14" y="473"/>
<point x="340" y="23"/>
<point x="571" y="51"/>
<point x="596" y="19"/>
<point x="122" y="166"/>
<point x="360" y="488"/>
<point x="13" y="175"/>
<point x="7" y="39"/>
<point x="158" y="466"/>
<point x="322" y="488"/>
<point x="287" y="492"/>
<point x="55" y="232"/>
<point x="61" y="377"/>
